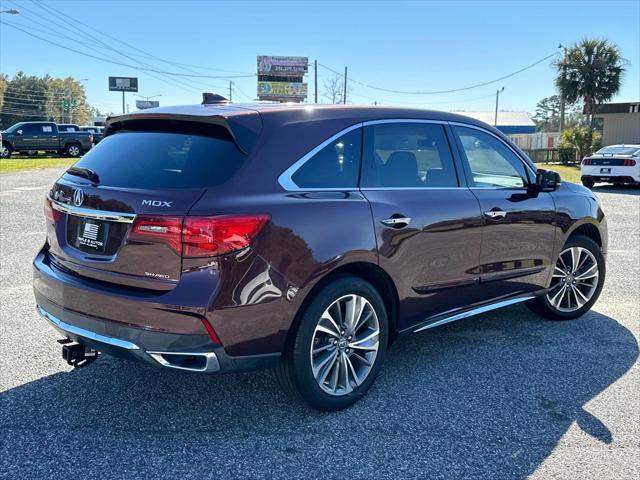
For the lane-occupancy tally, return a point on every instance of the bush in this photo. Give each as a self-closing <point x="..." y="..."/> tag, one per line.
<point x="580" y="139"/>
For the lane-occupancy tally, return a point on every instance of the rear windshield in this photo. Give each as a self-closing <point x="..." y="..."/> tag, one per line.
<point x="162" y="160"/>
<point x="618" y="151"/>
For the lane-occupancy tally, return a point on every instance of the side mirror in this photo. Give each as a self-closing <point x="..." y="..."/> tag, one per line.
<point x="547" y="180"/>
<point x="18" y="132"/>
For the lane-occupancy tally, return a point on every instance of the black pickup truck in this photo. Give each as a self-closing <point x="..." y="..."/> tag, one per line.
<point x="28" y="137"/>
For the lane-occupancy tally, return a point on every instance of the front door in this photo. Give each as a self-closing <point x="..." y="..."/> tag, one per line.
<point x="518" y="229"/>
<point x="428" y="226"/>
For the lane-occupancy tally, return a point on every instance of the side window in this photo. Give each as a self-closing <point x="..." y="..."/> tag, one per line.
<point x="335" y="166"/>
<point x="491" y="162"/>
<point x="47" y="129"/>
<point x="407" y="155"/>
<point x="31" y="129"/>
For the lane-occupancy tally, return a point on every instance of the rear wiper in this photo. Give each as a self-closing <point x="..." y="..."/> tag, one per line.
<point x="84" y="173"/>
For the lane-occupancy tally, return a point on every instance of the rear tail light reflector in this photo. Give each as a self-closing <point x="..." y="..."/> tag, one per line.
<point x="587" y="161"/>
<point x="160" y="229"/>
<point x="50" y="213"/>
<point x="629" y="163"/>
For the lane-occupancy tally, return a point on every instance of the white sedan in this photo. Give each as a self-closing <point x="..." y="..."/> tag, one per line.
<point x="612" y="164"/>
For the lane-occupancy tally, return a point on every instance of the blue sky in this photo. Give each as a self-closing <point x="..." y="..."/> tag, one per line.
<point x="409" y="46"/>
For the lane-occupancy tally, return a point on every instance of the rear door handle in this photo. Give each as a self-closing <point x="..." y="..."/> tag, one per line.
<point x="496" y="214"/>
<point x="396" y="222"/>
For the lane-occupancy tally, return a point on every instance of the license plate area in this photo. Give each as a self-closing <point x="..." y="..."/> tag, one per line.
<point x="605" y="170"/>
<point x="91" y="235"/>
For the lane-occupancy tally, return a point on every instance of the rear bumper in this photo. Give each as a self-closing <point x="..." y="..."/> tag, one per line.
<point x="192" y="352"/>
<point x="616" y="174"/>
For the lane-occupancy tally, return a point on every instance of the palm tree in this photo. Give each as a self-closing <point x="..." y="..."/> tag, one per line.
<point x="591" y="72"/>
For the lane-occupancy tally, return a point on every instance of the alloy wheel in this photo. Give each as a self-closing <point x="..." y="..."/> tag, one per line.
<point x="575" y="279"/>
<point x="345" y="344"/>
<point x="74" y="151"/>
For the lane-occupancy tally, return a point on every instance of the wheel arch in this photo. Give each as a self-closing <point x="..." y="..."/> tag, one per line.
<point x="588" y="228"/>
<point x="370" y="272"/>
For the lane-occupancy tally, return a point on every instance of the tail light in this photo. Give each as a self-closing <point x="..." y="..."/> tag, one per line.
<point x="200" y="236"/>
<point x="628" y="162"/>
<point x="50" y="214"/>
<point x="91" y="137"/>
<point x="587" y="161"/>
<point x="208" y="236"/>
<point x="160" y="229"/>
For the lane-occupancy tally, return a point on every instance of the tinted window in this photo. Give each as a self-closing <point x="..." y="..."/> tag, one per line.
<point x="31" y="129"/>
<point x="335" y="166"/>
<point x="491" y="162"/>
<point x="161" y="160"/>
<point x="407" y="155"/>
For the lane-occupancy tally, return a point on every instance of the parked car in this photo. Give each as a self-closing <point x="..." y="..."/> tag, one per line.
<point x="68" y="127"/>
<point x="304" y="238"/>
<point x="617" y="164"/>
<point x="95" y="131"/>
<point x="31" y="137"/>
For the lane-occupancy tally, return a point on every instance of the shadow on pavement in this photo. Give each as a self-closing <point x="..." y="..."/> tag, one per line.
<point x="484" y="397"/>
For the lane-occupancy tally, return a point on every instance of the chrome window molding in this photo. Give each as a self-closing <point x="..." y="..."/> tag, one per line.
<point x="419" y="189"/>
<point x="287" y="182"/>
<point x="289" y="185"/>
<point x="91" y="213"/>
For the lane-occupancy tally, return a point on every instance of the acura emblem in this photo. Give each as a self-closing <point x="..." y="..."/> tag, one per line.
<point x="78" y="197"/>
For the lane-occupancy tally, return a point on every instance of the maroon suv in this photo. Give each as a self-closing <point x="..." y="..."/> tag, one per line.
<point x="223" y="238"/>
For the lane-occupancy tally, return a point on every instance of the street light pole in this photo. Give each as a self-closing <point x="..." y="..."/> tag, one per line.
<point x="495" y="118"/>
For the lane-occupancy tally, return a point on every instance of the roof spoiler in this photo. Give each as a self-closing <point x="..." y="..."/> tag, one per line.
<point x="244" y="129"/>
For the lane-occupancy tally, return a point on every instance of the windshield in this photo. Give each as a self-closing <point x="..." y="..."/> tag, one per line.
<point x="618" y="151"/>
<point x="162" y="160"/>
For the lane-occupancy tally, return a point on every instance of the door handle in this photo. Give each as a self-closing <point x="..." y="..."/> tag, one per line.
<point x="396" y="222"/>
<point x="496" y="214"/>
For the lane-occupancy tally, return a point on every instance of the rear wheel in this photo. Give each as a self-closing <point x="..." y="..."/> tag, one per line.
<point x="587" y="183"/>
<point x="73" y="150"/>
<point x="576" y="282"/>
<point x="338" y="347"/>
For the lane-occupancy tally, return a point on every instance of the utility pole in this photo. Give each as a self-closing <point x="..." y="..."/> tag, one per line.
<point x="495" y="118"/>
<point x="122" y="101"/>
<point x="344" y="95"/>
<point x="561" y="112"/>
<point x="230" y="90"/>
<point x="315" y="80"/>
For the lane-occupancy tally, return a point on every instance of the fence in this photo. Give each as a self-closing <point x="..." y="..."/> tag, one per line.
<point x="553" y="155"/>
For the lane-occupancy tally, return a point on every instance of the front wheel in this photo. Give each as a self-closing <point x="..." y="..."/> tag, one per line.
<point x="5" y="152"/>
<point x="576" y="282"/>
<point x="338" y="347"/>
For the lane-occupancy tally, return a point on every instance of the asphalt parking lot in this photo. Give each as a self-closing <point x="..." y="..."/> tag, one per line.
<point x="502" y="395"/>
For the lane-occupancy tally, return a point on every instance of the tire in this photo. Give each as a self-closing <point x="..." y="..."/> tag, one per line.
<point x="557" y="305"/>
<point x="73" y="150"/>
<point x="295" y="372"/>
<point x="6" y="151"/>
<point x="32" y="153"/>
<point x="588" y="183"/>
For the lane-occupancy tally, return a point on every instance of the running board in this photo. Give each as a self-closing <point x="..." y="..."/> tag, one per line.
<point x="474" y="311"/>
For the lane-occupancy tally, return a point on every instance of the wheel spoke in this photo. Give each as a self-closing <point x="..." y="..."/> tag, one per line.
<point x="327" y="317"/>
<point x="591" y="272"/>
<point x="323" y="329"/>
<point x="560" y="273"/>
<point x="582" y="295"/>
<point x="575" y="258"/>
<point x="555" y="297"/>
<point x="356" y="380"/>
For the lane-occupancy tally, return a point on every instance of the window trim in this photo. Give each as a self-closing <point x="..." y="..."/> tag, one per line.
<point x="287" y="182"/>
<point x="289" y="185"/>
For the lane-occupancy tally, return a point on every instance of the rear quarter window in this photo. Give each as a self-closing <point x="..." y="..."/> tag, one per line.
<point x="163" y="160"/>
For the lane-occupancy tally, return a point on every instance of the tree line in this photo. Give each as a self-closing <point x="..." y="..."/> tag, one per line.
<point x="32" y="98"/>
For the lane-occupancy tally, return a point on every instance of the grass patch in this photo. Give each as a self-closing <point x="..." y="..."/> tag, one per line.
<point x="18" y="164"/>
<point x="569" y="173"/>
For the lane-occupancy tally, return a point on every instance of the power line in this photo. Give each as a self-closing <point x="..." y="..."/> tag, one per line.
<point x="154" y="70"/>
<point x="477" y="85"/>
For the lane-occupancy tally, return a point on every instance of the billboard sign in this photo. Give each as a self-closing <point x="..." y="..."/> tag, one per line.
<point x="282" y="91"/>
<point x="283" y="66"/>
<point x="123" y="84"/>
<point x="144" y="104"/>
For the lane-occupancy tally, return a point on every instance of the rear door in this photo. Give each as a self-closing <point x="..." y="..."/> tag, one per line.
<point x="518" y="230"/>
<point x="427" y="224"/>
<point x="47" y="137"/>
<point x="150" y="173"/>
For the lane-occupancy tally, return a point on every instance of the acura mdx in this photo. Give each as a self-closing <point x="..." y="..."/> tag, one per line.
<point x="219" y="238"/>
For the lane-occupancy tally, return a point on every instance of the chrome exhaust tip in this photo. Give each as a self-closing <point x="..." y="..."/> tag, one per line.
<point x="206" y="362"/>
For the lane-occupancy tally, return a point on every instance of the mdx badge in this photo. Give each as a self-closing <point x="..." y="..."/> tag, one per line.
<point x="156" y="203"/>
